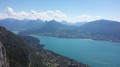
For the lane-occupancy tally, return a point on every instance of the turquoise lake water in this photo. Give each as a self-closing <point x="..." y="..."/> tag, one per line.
<point x="91" y="52"/>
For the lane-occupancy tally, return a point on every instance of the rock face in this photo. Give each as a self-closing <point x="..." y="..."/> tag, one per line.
<point x="3" y="58"/>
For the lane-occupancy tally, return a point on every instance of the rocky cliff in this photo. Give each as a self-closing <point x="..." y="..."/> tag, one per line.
<point x="13" y="51"/>
<point x="3" y="58"/>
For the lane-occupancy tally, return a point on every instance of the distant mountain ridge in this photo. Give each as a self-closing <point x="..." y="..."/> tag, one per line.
<point x="25" y="24"/>
<point x="98" y="30"/>
<point x="51" y="26"/>
<point x="15" y="24"/>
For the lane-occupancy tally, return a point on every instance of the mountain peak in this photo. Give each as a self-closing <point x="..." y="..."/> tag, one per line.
<point x="52" y="21"/>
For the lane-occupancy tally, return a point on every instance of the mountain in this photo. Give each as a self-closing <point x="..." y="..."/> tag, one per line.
<point x="101" y="29"/>
<point x="66" y="23"/>
<point x="49" y="28"/>
<point x="79" y="23"/>
<point x="15" y="24"/>
<point x="14" y="52"/>
<point x="102" y="25"/>
<point x="26" y="24"/>
<point x="98" y="30"/>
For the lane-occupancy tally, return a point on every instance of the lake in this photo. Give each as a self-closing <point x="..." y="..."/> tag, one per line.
<point x="91" y="52"/>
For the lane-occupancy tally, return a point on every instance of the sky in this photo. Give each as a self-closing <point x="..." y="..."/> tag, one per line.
<point x="61" y="10"/>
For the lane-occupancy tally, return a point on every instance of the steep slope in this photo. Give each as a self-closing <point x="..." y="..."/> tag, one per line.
<point x="15" y="49"/>
<point x="3" y="59"/>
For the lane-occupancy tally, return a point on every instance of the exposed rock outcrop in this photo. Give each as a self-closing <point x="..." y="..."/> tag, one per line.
<point x="3" y="57"/>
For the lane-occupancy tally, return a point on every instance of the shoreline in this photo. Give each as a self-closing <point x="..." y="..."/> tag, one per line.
<point x="79" y="38"/>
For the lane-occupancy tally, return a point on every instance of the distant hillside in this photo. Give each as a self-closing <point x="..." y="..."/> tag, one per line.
<point x="101" y="30"/>
<point x="49" y="28"/>
<point x="98" y="30"/>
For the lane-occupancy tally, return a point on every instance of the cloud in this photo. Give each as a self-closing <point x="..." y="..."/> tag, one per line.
<point x="46" y="15"/>
<point x="9" y="11"/>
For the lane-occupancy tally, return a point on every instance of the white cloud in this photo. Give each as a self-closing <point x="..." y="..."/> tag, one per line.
<point x="47" y="15"/>
<point x="9" y="11"/>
